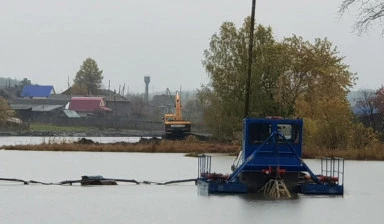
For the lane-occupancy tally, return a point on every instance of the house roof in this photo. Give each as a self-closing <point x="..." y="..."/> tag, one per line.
<point x="39" y="108"/>
<point x="87" y="104"/>
<point x="36" y="91"/>
<point x="105" y="93"/>
<point x="42" y="108"/>
<point x="39" y="101"/>
<point x="71" y="113"/>
<point x="21" y="106"/>
<point x="163" y="100"/>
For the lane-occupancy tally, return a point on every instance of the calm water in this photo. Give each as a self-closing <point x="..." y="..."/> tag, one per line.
<point x="179" y="203"/>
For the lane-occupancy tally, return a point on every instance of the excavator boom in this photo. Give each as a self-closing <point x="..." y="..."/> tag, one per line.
<point x="178" y="115"/>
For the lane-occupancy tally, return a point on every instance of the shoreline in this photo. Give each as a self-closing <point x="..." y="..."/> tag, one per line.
<point x="191" y="147"/>
<point x="117" y="133"/>
<point x="145" y="145"/>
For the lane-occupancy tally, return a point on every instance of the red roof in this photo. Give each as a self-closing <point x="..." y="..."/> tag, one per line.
<point x="87" y="104"/>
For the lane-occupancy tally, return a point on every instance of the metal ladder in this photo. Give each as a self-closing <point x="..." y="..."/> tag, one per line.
<point x="275" y="189"/>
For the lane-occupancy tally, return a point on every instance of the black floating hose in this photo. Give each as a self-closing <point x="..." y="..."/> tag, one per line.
<point x="180" y="181"/>
<point x="70" y="182"/>
<point x="86" y="181"/>
<point x="39" y="182"/>
<point x="123" y="180"/>
<point x="14" y="180"/>
<point x="169" y="182"/>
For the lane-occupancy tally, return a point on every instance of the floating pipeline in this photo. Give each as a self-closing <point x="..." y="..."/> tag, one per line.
<point x="96" y="180"/>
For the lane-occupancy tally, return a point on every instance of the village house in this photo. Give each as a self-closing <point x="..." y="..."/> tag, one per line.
<point x="37" y="104"/>
<point x="89" y="106"/>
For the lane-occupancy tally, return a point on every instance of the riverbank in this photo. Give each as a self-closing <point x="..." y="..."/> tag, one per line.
<point x="151" y="145"/>
<point x="190" y="146"/>
<point x="91" y="133"/>
<point x="374" y="154"/>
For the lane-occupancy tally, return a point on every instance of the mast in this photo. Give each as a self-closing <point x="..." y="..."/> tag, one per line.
<point x="250" y="49"/>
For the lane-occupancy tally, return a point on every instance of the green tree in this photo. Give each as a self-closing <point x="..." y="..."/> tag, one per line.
<point x="88" y="79"/>
<point x="226" y="64"/>
<point x="25" y="82"/>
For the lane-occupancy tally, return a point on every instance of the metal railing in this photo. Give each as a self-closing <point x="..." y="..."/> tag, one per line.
<point x="333" y="168"/>
<point x="204" y="165"/>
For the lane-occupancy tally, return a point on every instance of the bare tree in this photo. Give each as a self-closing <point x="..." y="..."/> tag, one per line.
<point x="366" y="101"/>
<point x="379" y="99"/>
<point x="369" y="11"/>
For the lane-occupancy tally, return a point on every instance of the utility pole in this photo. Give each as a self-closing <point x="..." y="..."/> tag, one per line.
<point x="114" y="102"/>
<point x="250" y="49"/>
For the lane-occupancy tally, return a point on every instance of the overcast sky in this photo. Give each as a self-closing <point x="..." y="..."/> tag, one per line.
<point x="47" y="40"/>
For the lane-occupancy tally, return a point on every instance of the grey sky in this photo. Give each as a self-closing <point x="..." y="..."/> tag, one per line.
<point x="47" y="40"/>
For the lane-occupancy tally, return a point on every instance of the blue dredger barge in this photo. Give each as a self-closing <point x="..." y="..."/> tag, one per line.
<point x="271" y="163"/>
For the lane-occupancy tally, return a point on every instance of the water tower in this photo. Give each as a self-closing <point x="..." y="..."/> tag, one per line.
<point x="147" y="79"/>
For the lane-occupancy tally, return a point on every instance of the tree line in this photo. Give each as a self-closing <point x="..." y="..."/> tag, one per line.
<point x="292" y="78"/>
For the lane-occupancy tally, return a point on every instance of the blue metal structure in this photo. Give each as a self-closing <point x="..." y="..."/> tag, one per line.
<point x="272" y="149"/>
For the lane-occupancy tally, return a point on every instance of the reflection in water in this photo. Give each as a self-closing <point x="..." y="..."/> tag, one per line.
<point x="260" y="197"/>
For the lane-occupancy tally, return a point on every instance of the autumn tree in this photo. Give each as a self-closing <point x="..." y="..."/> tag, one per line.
<point x="291" y="78"/>
<point x="318" y="81"/>
<point x="370" y="11"/>
<point x="6" y="111"/>
<point x="379" y="99"/>
<point x="88" y="79"/>
<point x="325" y="82"/>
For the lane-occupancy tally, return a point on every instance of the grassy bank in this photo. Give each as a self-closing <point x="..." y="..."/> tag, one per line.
<point x="376" y="153"/>
<point x="39" y="129"/>
<point x="191" y="147"/>
<point x="162" y="146"/>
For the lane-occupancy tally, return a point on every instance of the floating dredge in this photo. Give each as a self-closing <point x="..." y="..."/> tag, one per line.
<point x="270" y="163"/>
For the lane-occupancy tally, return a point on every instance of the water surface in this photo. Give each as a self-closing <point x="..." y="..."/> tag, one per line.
<point x="178" y="203"/>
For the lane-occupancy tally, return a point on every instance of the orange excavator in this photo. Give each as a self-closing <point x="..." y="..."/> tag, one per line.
<point x="175" y="126"/>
